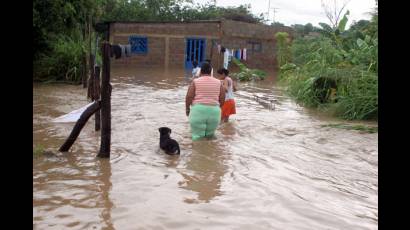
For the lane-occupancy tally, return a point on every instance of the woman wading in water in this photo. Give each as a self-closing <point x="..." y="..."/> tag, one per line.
<point x="203" y="100"/>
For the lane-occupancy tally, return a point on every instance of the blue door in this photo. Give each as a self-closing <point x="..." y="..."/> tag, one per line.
<point x="194" y="51"/>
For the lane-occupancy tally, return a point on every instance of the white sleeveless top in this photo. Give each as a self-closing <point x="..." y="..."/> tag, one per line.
<point x="229" y="93"/>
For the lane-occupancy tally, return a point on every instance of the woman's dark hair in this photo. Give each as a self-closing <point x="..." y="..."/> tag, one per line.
<point x="223" y="71"/>
<point x="194" y="64"/>
<point x="206" y="68"/>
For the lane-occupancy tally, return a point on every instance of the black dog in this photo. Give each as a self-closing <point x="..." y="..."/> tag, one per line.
<point x="170" y="146"/>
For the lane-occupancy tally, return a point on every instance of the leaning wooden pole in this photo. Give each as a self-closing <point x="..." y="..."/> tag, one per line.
<point x="79" y="126"/>
<point x="105" y="103"/>
<point x="97" y="96"/>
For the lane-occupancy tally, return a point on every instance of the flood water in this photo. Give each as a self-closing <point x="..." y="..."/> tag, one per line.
<point x="270" y="167"/>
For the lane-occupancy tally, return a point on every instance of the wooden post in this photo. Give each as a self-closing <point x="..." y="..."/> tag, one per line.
<point x="79" y="126"/>
<point x="84" y="72"/>
<point x="90" y="91"/>
<point x="97" y="96"/>
<point x="105" y="104"/>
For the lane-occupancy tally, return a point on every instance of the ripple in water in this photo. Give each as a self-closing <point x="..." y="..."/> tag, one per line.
<point x="270" y="168"/>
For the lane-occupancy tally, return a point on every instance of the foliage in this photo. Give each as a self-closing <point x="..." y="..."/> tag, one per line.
<point x="337" y="71"/>
<point x="283" y="52"/>
<point x="304" y="30"/>
<point x="308" y="28"/>
<point x="246" y="74"/>
<point x="278" y="24"/>
<point x="172" y="10"/>
<point x="60" y="37"/>
<point x="64" y="61"/>
<point x="38" y="151"/>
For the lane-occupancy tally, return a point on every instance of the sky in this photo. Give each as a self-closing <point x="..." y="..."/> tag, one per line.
<point x="300" y="11"/>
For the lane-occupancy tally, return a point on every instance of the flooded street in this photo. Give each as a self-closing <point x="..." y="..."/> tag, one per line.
<point x="267" y="169"/>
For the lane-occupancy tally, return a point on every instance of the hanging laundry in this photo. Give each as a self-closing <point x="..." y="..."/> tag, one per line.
<point x="122" y="50"/>
<point x="127" y="50"/>
<point x="244" y="54"/>
<point x="237" y="54"/>
<point x="226" y="59"/>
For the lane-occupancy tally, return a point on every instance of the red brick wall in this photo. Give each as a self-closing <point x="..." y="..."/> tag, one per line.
<point x="182" y="29"/>
<point x="236" y="35"/>
<point x="154" y="57"/>
<point x="176" y="52"/>
<point x="231" y="34"/>
<point x="156" y="34"/>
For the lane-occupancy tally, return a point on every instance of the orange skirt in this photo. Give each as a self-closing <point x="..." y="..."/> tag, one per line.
<point x="228" y="108"/>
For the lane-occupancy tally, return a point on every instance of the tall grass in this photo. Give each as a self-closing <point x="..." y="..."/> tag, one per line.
<point x="324" y="76"/>
<point x="283" y="48"/>
<point x="38" y="150"/>
<point x="64" y="62"/>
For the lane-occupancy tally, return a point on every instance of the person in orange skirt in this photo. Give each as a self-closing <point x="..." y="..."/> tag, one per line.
<point x="228" y="107"/>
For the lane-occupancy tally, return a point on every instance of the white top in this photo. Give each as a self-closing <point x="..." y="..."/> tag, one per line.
<point x="196" y="71"/>
<point x="226" y="59"/>
<point x="229" y="93"/>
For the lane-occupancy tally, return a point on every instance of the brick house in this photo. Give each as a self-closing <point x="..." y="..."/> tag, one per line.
<point x="176" y="44"/>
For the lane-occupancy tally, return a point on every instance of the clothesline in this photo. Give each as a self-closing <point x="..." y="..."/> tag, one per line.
<point x="229" y="53"/>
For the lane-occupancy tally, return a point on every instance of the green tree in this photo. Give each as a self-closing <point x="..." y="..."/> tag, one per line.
<point x="277" y="24"/>
<point x="308" y="28"/>
<point x="283" y="54"/>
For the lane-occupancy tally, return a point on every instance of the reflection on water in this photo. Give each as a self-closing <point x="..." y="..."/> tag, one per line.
<point x="71" y="187"/>
<point x="204" y="170"/>
<point x="105" y="188"/>
<point x="274" y="169"/>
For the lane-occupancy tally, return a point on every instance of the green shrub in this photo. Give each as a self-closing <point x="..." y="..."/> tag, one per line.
<point x="63" y="63"/>
<point x="246" y="74"/>
<point x="349" y="78"/>
<point x="283" y="53"/>
<point x="38" y="151"/>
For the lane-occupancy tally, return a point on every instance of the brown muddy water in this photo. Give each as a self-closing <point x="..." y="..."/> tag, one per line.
<point x="267" y="169"/>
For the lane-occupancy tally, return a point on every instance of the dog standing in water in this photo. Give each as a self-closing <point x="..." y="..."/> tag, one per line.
<point x="166" y="143"/>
